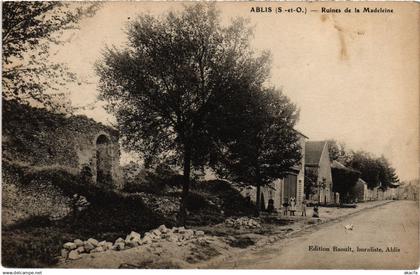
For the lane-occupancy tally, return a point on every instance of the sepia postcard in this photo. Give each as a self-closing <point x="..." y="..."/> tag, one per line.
<point x="210" y="135"/>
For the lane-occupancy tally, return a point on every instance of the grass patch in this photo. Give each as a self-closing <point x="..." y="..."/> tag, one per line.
<point x="241" y="242"/>
<point x="276" y="220"/>
<point x="202" y="252"/>
<point x="211" y="202"/>
<point x="32" y="247"/>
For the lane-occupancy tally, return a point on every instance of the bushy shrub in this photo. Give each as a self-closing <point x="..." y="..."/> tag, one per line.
<point x="196" y="201"/>
<point x="153" y="181"/>
<point x="24" y="197"/>
<point x="32" y="222"/>
<point x="151" y="187"/>
<point x="232" y="202"/>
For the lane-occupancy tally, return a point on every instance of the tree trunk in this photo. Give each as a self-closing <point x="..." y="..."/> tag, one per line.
<point x="185" y="187"/>
<point x="258" y="200"/>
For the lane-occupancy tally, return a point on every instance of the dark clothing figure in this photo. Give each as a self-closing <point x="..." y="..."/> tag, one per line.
<point x="286" y="207"/>
<point x="75" y="208"/>
<point x="78" y="204"/>
<point x="270" y="207"/>
<point x="316" y="213"/>
<point x="304" y="208"/>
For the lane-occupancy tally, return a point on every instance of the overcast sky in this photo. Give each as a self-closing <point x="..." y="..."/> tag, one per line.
<point x="354" y="77"/>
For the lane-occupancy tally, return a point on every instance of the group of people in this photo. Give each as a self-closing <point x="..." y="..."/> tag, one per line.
<point x="289" y="206"/>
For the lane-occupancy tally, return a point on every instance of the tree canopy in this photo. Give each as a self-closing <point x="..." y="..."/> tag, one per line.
<point x="167" y="85"/>
<point x="260" y="143"/>
<point x="336" y="150"/>
<point x="28" y="31"/>
<point x="377" y="172"/>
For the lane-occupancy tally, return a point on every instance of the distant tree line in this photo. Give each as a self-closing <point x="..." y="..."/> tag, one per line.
<point x="375" y="171"/>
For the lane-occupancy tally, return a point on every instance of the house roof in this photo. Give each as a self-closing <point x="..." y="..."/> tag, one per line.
<point x="313" y="152"/>
<point x="393" y="185"/>
<point x="338" y="165"/>
<point x="360" y="180"/>
<point x="300" y="133"/>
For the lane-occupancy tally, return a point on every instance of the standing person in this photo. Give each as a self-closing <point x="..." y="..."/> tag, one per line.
<point x="286" y="206"/>
<point x="292" y="206"/>
<point x="315" y="213"/>
<point x="304" y="208"/>
<point x="270" y="207"/>
<point x="75" y="207"/>
<point x="79" y="203"/>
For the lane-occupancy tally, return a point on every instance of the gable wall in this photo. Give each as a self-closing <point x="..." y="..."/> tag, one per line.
<point x="324" y="172"/>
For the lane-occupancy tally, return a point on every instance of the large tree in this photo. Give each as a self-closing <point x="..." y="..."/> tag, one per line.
<point x="387" y="174"/>
<point x="259" y="144"/>
<point x="170" y="80"/>
<point x="28" y="31"/>
<point x="336" y="150"/>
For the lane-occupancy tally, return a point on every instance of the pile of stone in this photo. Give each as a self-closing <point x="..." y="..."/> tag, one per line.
<point x="175" y="234"/>
<point x="243" y="222"/>
<point x="76" y="249"/>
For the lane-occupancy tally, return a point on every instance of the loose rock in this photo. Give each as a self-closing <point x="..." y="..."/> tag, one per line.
<point x="147" y="239"/>
<point x="163" y="229"/>
<point x="243" y="222"/>
<point x="119" y="240"/>
<point x="97" y="249"/>
<point x="199" y="233"/>
<point x="118" y="246"/>
<point x="108" y="245"/>
<point x="64" y="253"/>
<point x="133" y="239"/>
<point x="80" y="249"/>
<point x="156" y="232"/>
<point x="69" y="246"/>
<point x="78" y="242"/>
<point x="74" y="255"/>
<point x="93" y="242"/>
<point x="88" y="246"/>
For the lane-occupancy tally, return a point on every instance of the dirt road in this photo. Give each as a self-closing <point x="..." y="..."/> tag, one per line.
<point x="394" y="226"/>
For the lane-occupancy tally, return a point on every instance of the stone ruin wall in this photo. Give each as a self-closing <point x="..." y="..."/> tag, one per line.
<point x="37" y="138"/>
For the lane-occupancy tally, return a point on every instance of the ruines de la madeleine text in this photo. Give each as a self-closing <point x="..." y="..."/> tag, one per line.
<point x="258" y="9"/>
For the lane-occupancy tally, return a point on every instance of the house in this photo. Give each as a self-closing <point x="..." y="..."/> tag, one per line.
<point x="291" y="186"/>
<point x="318" y="177"/>
<point x="344" y="181"/>
<point x="372" y="194"/>
<point x="388" y="194"/>
<point x="408" y="190"/>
